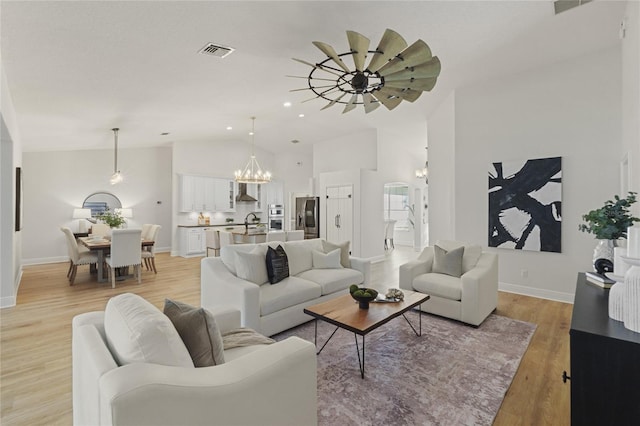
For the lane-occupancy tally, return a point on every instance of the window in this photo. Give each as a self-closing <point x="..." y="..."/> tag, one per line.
<point x="396" y="205"/>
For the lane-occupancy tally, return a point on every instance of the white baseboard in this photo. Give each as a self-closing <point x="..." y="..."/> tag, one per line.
<point x="537" y="292"/>
<point x="9" y="301"/>
<point x="44" y="260"/>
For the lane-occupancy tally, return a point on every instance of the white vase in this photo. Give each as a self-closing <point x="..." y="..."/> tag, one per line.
<point x="631" y="302"/>
<point x="604" y="250"/>
<point x="616" y="301"/>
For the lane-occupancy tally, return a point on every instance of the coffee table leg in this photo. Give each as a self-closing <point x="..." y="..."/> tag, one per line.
<point x="325" y="343"/>
<point x="418" y="333"/>
<point x="360" y="363"/>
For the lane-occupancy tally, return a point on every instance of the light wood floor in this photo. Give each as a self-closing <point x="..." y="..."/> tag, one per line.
<point x="35" y="339"/>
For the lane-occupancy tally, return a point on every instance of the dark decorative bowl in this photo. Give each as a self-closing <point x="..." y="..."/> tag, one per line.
<point x="364" y="300"/>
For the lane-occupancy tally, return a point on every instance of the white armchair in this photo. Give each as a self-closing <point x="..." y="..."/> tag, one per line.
<point x="469" y="298"/>
<point x="261" y="384"/>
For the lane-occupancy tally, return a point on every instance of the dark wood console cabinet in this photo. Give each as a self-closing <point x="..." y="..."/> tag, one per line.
<point x="605" y="362"/>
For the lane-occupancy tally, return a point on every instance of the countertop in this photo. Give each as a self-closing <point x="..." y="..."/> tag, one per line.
<point x="219" y="224"/>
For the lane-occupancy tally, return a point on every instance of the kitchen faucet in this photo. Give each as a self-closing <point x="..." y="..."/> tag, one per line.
<point x="246" y="221"/>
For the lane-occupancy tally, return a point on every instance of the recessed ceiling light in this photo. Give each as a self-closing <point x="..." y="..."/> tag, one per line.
<point x="164" y="133"/>
<point x="295" y="141"/>
<point x="229" y="128"/>
<point x="287" y="104"/>
<point x="301" y="115"/>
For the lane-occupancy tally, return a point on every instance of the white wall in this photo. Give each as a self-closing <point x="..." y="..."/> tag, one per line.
<point x="10" y="158"/>
<point x="631" y="97"/>
<point x="571" y="109"/>
<point x="57" y="182"/>
<point x="356" y="151"/>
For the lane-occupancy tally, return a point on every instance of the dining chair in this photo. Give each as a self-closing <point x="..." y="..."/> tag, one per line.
<point x="125" y="251"/>
<point x="276" y="236"/>
<point x="295" y="235"/>
<point x="146" y="230"/>
<point x="76" y="257"/>
<point x="149" y="252"/>
<point x="226" y="238"/>
<point x="213" y="241"/>
<point x="101" y="229"/>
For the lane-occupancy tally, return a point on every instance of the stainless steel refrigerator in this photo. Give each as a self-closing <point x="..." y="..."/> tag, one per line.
<point x="308" y="216"/>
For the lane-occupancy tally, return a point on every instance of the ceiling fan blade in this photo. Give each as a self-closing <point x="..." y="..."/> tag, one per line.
<point x="330" y="52"/>
<point x="414" y="83"/>
<point x="427" y="70"/>
<point x="333" y="102"/>
<point x="352" y="103"/>
<point x="306" y="77"/>
<point x="320" y="67"/>
<point x="404" y="94"/>
<point x="359" y="45"/>
<point x="388" y="100"/>
<point x="312" y="87"/>
<point x="390" y="45"/>
<point x="326" y="92"/>
<point x="416" y="54"/>
<point x="370" y="103"/>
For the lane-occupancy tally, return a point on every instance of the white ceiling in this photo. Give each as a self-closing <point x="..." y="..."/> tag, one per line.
<point x="76" y="69"/>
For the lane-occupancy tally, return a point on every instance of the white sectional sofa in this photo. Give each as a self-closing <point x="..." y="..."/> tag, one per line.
<point x="272" y="308"/>
<point x="276" y="381"/>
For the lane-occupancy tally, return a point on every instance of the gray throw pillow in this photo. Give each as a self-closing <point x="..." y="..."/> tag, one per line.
<point x="198" y="330"/>
<point x="448" y="262"/>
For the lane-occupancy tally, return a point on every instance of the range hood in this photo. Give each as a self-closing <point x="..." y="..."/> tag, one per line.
<point x="242" y="194"/>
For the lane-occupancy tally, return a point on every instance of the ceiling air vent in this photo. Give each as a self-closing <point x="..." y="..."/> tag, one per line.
<point x="216" y="50"/>
<point x="562" y="5"/>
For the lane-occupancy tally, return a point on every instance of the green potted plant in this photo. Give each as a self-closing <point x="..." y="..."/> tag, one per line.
<point x="609" y="223"/>
<point x="113" y="219"/>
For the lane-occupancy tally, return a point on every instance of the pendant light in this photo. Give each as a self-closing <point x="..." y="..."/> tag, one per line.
<point x="116" y="177"/>
<point x="252" y="172"/>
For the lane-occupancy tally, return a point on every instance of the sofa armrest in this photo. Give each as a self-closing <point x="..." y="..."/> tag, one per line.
<point x="274" y="385"/>
<point x="227" y="317"/>
<point x="218" y="286"/>
<point x="413" y="268"/>
<point x="480" y="289"/>
<point x="364" y="266"/>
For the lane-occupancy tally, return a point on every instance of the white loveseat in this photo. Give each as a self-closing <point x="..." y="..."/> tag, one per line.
<point x="469" y="298"/>
<point x="271" y="384"/>
<point x="272" y="308"/>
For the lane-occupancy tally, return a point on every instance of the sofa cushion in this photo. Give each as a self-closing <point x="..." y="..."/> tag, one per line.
<point x="439" y="285"/>
<point x="332" y="280"/>
<point x="299" y="254"/>
<point x="323" y="260"/>
<point x="448" y="262"/>
<point x="198" y="329"/>
<point x="137" y="331"/>
<point x="288" y="292"/>
<point x="345" y="258"/>
<point x="251" y="266"/>
<point x="277" y="264"/>
<point x="471" y="254"/>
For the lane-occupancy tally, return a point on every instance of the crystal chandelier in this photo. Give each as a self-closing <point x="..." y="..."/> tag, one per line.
<point x="252" y="172"/>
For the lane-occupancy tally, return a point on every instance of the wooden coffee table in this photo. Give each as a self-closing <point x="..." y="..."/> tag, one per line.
<point x="343" y="312"/>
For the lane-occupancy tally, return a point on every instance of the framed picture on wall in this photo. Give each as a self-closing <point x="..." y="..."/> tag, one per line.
<point x="525" y="204"/>
<point x="19" y="206"/>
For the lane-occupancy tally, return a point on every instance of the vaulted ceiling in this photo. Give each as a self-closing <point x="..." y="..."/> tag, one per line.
<point x="76" y="69"/>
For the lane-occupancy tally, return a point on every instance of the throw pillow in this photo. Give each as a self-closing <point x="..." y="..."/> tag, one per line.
<point x="277" y="264"/>
<point x="137" y="331"/>
<point x="250" y="266"/>
<point x="345" y="259"/>
<point x="198" y="329"/>
<point x="329" y="260"/>
<point x="448" y="262"/>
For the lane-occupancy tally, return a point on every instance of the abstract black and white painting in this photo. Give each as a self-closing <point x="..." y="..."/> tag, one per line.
<point x="525" y="204"/>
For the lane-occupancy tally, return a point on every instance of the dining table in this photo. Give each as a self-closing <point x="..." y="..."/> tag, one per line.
<point x="102" y="247"/>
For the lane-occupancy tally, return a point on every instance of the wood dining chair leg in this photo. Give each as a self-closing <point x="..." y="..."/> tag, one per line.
<point x="72" y="278"/>
<point x="70" y="268"/>
<point x="139" y="271"/>
<point x="153" y="264"/>
<point x="112" y="272"/>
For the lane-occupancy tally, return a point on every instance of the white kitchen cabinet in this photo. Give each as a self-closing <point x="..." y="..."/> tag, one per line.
<point x="339" y="213"/>
<point x="274" y="193"/>
<point x="206" y="194"/>
<point x="192" y="241"/>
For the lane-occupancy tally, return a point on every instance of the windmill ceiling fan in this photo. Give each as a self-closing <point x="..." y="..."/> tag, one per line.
<point x="395" y="73"/>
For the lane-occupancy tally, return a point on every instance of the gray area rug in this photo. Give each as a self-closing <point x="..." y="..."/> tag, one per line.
<point x="453" y="375"/>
